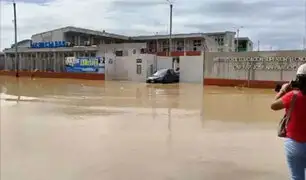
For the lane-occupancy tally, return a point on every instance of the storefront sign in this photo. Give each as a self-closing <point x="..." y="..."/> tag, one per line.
<point x="52" y="44"/>
<point x="85" y="64"/>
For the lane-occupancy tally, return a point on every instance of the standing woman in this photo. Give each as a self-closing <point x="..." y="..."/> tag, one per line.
<point x="295" y="142"/>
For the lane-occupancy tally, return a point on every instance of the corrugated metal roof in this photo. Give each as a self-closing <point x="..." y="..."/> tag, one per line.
<point x="86" y="31"/>
<point x="187" y="35"/>
<point x="22" y="42"/>
<point x="145" y="37"/>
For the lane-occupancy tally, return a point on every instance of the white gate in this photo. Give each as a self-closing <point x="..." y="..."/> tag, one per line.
<point x="121" y="69"/>
<point x="116" y="68"/>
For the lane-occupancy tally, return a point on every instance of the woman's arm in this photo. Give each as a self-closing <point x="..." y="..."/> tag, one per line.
<point x="277" y="105"/>
<point x="280" y="101"/>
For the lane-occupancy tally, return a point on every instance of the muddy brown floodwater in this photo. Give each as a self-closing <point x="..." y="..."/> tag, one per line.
<point x="90" y="130"/>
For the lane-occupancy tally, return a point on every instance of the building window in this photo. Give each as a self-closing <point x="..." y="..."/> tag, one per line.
<point x="180" y="45"/>
<point x="143" y="51"/>
<point x="138" y="61"/>
<point x="96" y="41"/>
<point x="138" y="68"/>
<point x="81" y="54"/>
<point x="197" y="42"/>
<point x="119" y="53"/>
<point x="165" y="49"/>
<point x="93" y="54"/>
<point x="221" y="41"/>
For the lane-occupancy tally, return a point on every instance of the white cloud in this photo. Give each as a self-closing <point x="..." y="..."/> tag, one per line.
<point x="276" y="23"/>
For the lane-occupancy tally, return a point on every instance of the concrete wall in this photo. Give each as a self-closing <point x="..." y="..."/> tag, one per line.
<point x="225" y="66"/>
<point x="191" y="69"/>
<point x="2" y="61"/>
<point x="110" y="66"/>
<point x="125" y="67"/>
<point x="164" y="62"/>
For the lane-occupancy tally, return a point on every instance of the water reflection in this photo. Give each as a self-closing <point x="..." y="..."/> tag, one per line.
<point x="69" y="129"/>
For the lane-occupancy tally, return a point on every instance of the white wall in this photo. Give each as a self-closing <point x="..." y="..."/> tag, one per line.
<point x="150" y="58"/>
<point x="164" y="62"/>
<point x="191" y="69"/>
<point x="125" y="67"/>
<point x="110" y="69"/>
<point x="147" y="60"/>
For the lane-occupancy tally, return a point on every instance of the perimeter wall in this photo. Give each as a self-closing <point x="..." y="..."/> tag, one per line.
<point x="232" y="68"/>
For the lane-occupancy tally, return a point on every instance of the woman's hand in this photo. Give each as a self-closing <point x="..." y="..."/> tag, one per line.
<point x="278" y="104"/>
<point x="285" y="88"/>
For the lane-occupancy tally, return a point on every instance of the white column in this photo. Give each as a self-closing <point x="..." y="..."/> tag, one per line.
<point x="184" y="46"/>
<point x="54" y="62"/>
<point x="21" y="60"/>
<point x="5" y="61"/>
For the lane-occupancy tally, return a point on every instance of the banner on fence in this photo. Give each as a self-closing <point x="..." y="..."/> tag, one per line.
<point x="85" y="64"/>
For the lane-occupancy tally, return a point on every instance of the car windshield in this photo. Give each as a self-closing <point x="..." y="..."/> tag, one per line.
<point x="161" y="72"/>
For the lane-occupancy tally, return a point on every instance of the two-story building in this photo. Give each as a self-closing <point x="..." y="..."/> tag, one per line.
<point x="73" y="36"/>
<point x="79" y="42"/>
<point x="245" y="44"/>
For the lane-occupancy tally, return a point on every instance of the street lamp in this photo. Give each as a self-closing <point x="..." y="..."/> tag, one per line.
<point x="16" y="45"/>
<point x="238" y="30"/>
<point x="170" y="31"/>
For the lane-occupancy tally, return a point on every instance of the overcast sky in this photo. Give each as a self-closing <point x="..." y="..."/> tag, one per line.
<point x="279" y="24"/>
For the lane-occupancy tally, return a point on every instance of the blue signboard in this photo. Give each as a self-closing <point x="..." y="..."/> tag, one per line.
<point x="85" y="64"/>
<point x="52" y="44"/>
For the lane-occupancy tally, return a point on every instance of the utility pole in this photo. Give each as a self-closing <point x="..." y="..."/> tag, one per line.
<point x="258" y="45"/>
<point x="16" y="44"/>
<point x="170" y="33"/>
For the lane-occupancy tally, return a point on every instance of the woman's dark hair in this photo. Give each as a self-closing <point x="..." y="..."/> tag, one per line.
<point x="301" y="79"/>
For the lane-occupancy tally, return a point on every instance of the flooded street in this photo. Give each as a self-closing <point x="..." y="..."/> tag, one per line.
<point x="91" y="130"/>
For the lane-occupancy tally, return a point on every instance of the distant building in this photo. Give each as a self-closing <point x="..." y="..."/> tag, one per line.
<point x="2" y="60"/>
<point x="46" y="49"/>
<point x="245" y="44"/>
<point x="73" y="36"/>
